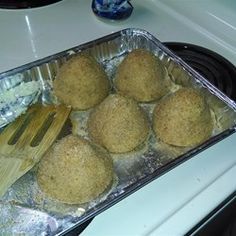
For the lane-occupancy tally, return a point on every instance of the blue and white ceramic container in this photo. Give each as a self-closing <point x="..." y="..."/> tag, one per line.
<point x="112" y="9"/>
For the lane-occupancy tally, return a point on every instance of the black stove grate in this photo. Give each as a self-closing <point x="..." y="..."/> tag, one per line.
<point x="21" y="4"/>
<point x="209" y="64"/>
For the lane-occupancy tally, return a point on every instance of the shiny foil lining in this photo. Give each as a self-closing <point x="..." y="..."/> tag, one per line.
<point x="25" y="209"/>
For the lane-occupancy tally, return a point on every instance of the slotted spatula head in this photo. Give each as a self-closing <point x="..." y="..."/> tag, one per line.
<point x="25" y="141"/>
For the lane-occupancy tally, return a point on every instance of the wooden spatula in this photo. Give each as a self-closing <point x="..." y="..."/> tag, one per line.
<point x="24" y="142"/>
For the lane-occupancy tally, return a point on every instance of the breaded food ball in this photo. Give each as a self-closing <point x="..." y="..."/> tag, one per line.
<point x="141" y="76"/>
<point x="183" y="118"/>
<point x="118" y="124"/>
<point x="81" y="82"/>
<point x="75" y="171"/>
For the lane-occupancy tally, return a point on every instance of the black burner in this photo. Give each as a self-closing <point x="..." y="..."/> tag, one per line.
<point x="20" y="4"/>
<point x="209" y="64"/>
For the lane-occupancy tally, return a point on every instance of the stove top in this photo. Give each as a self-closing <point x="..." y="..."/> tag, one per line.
<point x="178" y="200"/>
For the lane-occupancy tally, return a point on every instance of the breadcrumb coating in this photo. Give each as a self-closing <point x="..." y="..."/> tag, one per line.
<point x="75" y="171"/>
<point x="118" y="124"/>
<point x="183" y="118"/>
<point x="81" y="82"/>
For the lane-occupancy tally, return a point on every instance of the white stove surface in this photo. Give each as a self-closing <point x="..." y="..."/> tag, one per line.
<point x="175" y="202"/>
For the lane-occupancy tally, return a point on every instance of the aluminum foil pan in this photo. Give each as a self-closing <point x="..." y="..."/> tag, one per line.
<point x="25" y="209"/>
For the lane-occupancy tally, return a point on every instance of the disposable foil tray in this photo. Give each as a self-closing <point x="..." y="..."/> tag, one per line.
<point x="24" y="208"/>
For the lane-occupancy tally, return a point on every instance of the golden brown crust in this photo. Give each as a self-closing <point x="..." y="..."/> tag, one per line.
<point x="183" y="118"/>
<point x="81" y="82"/>
<point x="118" y="124"/>
<point x="141" y="76"/>
<point x="75" y="171"/>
